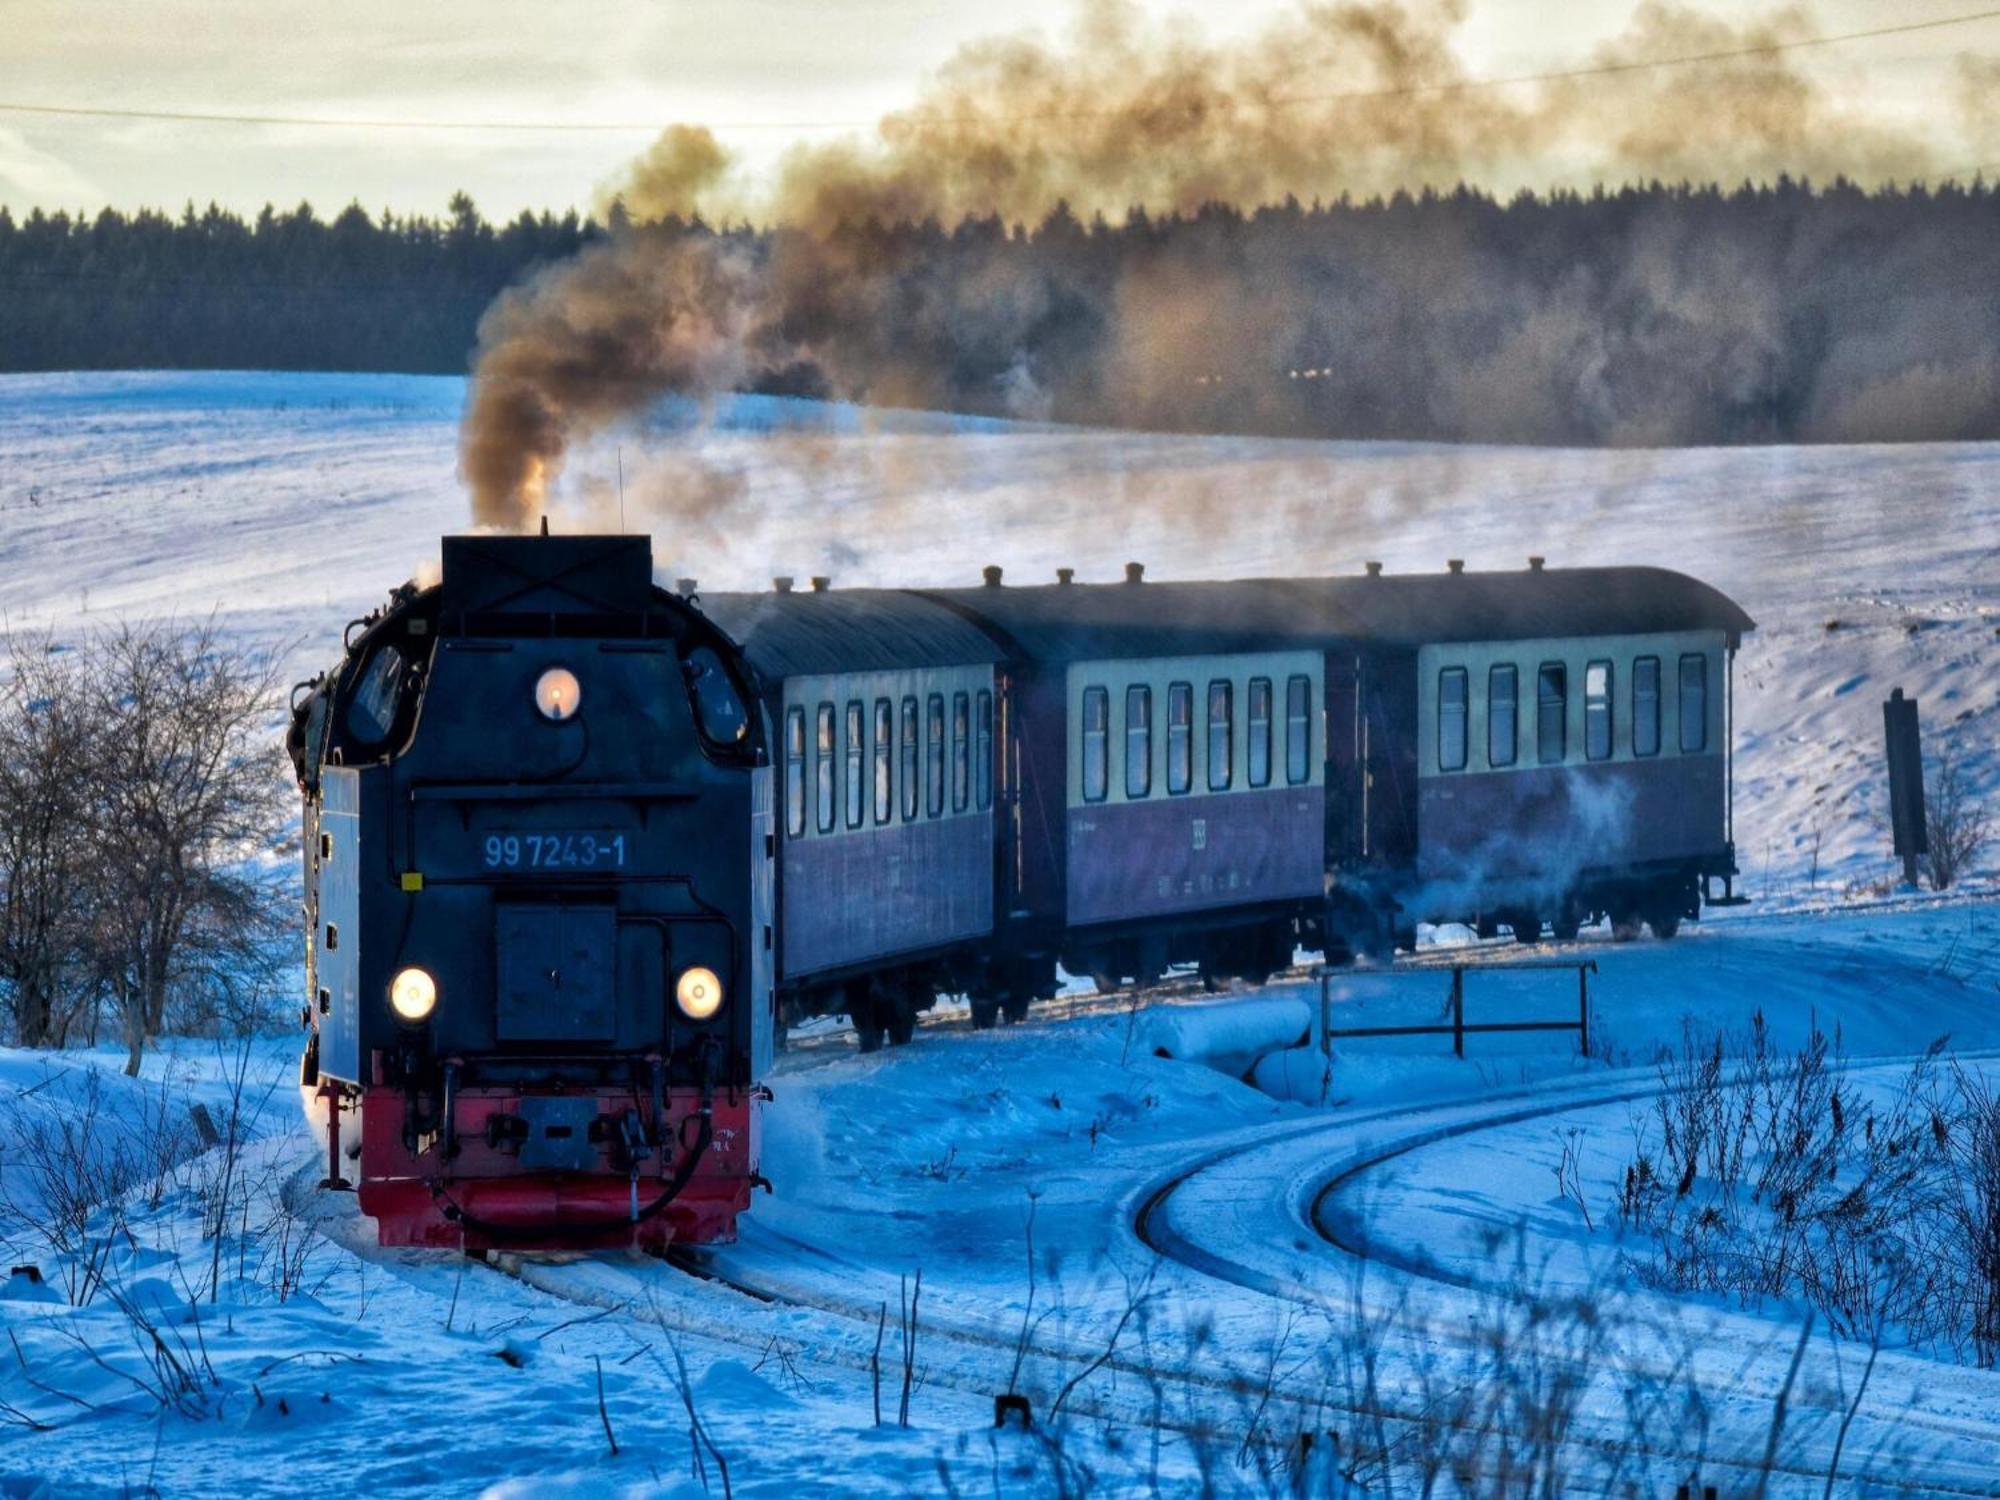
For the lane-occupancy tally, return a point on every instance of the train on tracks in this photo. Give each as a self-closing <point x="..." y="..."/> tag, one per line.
<point x="578" y="847"/>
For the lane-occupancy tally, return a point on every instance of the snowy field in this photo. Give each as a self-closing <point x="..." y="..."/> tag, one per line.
<point x="1184" y="1275"/>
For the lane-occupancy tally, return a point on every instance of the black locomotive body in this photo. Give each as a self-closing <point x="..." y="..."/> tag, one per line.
<point x="537" y="830"/>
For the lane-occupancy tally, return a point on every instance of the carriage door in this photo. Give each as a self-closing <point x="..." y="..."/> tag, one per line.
<point x="1007" y="798"/>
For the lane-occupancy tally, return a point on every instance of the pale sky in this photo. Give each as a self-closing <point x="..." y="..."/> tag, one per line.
<point x="727" y="63"/>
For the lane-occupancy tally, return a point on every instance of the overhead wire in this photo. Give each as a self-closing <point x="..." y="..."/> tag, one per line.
<point x="584" y="127"/>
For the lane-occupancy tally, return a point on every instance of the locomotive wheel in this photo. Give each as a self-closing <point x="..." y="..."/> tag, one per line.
<point x="1665" y="924"/>
<point x="899" y="1015"/>
<point x="1565" y="926"/>
<point x="1015" y="1008"/>
<point x="985" y="1012"/>
<point x="1486" y="928"/>
<point x="1626" y="925"/>
<point x="1527" y="929"/>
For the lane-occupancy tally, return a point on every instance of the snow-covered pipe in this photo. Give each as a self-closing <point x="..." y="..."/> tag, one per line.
<point x="1229" y="1035"/>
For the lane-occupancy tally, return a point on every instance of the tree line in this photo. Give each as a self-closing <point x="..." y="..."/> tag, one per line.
<point x="141" y="789"/>
<point x="1654" y="314"/>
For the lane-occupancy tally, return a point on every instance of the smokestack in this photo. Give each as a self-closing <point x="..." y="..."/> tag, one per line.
<point x="1135" y="572"/>
<point x="1374" y="569"/>
<point x="1455" y="564"/>
<point x="684" y="587"/>
<point x="1065" y="576"/>
<point x="782" y="583"/>
<point x="992" y="576"/>
<point x="1535" y="564"/>
<point x="821" y="583"/>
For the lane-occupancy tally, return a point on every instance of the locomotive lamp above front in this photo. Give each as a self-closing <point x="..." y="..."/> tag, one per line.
<point x="557" y="694"/>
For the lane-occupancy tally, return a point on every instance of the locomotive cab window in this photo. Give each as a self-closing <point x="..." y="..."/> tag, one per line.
<point x="907" y="759"/>
<point x="1096" y="743"/>
<point x="934" y="754"/>
<point x="1298" y="730"/>
<point x="718" y="708"/>
<point x="1138" y="741"/>
<point x="856" y="763"/>
<point x="795" y="771"/>
<point x="1597" y="711"/>
<point x="961" y="751"/>
<point x="1260" y="731"/>
<point x="883" y="748"/>
<point x="1646" y="706"/>
<point x="1180" y="737"/>
<point x="823" y="782"/>
<point x="1221" y="735"/>
<point x="982" y="758"/>
<point x="1451" y="719"/>
<point x="1503" y="686"/>
<point x="371" y="712"/>
<point x="1694" y="703"/>
<point x="1551" y="713"/>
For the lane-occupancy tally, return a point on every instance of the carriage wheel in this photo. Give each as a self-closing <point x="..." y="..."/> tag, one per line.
<point x="985" y="1012"/>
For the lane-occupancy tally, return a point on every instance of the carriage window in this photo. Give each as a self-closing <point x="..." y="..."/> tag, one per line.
<point x="1597" y="710"/>
<point x="982" y="757"/>
<point x="1551" y="713"/>
<point x="1138" y="741"/>
<point x="1503" y="686"/>
<point x="1260" y="731"/>
<point x="1694" y="702"/>
<point x="718" y="709"/>
<point x="371" y="714"/>
<point x="1096" y="743"/>
<point x="856" y="763"/>
<point x="1221" y="736"/>
<point x="1646" y="706"/>
<point x="795" y="771"/>
<point x="961" y="751"/>
<point x="1451" y="719"/>
<point x="934" y="754"/>
<point x="823" y="783"/>
<point x="1298" y="730"/>
<point x="884" y="748"/>
<point x="1180" y="737"/>
<point x="909" y="758"/>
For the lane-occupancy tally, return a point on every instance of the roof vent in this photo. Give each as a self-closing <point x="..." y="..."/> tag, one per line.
<point x="821" y="583"/>
<point x="1456" y="564"/>
<point x="1135" y="572"/>
<point x="1374" y="570"/>
<point x="685" y="587"/>
<point x="1065" y="576"/>
<point x="991" y="574"/>
<point x="782" y="583"/>
<point x="1535" y="564"/>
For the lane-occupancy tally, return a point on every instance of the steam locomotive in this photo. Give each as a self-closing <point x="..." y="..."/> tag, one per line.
<point x="577" y="847"/>
<point x="537" y="894"/>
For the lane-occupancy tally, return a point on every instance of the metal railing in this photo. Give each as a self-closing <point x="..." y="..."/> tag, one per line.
<point x="1458" y="1029"/>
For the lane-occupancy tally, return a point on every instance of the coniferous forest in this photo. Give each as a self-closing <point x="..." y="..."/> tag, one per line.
<point x="1659" y="314"/>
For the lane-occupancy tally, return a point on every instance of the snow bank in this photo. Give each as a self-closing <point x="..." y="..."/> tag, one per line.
<point x="1230" y="1035"/>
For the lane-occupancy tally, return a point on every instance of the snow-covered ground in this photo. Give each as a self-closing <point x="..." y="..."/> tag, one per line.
<point x="1215" y="1270"/>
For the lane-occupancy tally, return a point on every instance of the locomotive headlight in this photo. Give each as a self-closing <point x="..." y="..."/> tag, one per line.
<point x="557" y="694"/>
<point x="413" y="994"/>
<point x="698" y="994"/>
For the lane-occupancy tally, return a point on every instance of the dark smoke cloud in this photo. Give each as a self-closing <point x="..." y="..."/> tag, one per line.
<point x="1135" y="115"/>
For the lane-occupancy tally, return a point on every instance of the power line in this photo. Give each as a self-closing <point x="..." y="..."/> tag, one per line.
<point x="604" y="127"/>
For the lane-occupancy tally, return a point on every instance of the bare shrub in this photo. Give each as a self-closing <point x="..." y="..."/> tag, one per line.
<point x="1956" y="822"/>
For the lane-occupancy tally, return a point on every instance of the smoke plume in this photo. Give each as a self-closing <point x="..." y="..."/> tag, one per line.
<point x="955" y="258"/>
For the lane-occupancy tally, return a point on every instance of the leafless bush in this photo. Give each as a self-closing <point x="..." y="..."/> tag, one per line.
<point x="139" y="782"/>
<point x="1775" y="1176"/>
<point x="1956" y="822"/>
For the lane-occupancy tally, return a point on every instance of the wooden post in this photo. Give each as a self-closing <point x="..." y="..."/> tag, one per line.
<point x="1457" y="1011"/>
